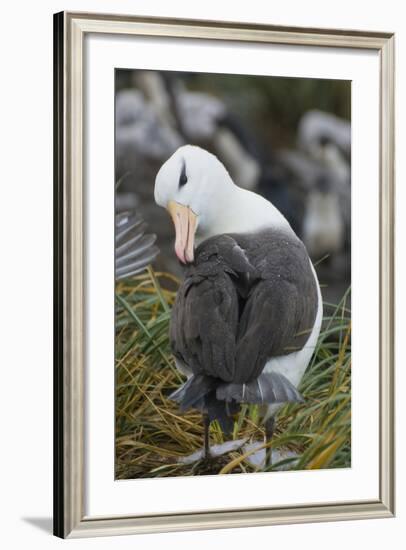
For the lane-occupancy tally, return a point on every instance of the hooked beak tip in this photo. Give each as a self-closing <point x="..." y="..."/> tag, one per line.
<point x="180" y="254"/>
<point x="189" y="257"/>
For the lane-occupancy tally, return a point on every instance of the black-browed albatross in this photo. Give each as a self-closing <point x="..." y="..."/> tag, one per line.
<point x="248" y="313"/>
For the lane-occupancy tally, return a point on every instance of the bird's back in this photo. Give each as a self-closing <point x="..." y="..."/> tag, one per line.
<point x="245" y="299"/>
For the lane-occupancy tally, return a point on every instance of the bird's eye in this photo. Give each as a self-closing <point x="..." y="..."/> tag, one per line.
<point x="183" y="176"/>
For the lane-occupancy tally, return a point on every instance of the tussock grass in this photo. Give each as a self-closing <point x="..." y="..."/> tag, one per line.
<point x="151" y="434"/>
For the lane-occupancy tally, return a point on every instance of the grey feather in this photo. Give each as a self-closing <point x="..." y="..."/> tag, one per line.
<point x="132" y="240"/>
<point x="126" y="224"/>
<point x="269" y="388"/>
<point x="246" y="299"/>
<point x="134" y="250"/>
<point x="193" y="391"/>
<point x="143" y="245"/>
<point x="234" y="312"/>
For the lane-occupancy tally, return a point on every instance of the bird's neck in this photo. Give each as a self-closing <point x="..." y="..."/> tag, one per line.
<point x="241" y="211"/>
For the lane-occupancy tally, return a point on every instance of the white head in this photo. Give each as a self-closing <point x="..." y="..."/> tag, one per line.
<point x="196" y="189"/>
<point x="192" y="185"/>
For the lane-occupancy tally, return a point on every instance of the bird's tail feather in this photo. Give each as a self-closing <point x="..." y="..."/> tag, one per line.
<point x="222" y="400"/>
<point x="191" y="393"/>
<point x="199" y="392"/>
<point x="269" y="388"/>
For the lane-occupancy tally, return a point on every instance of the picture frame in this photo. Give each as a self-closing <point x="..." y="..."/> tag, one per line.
<point x="70" y="32"/>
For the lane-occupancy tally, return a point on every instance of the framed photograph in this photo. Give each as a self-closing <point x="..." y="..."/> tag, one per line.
<point x="224" y="284"/>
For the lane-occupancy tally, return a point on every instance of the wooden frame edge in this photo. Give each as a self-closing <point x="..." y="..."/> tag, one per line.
<point x="387" y="273"/>
<point x="58" y="205"/>
<point x="228" y="519"/>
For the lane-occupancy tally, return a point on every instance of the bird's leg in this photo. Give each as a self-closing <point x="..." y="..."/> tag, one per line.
<point x="269" y="430"/>
<point x="206" y="424"/>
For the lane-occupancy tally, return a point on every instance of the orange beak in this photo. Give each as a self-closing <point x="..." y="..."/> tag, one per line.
<point x="185" y="221"/>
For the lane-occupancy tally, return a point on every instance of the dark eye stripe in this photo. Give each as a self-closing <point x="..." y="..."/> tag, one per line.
<point x="183" y="176"/>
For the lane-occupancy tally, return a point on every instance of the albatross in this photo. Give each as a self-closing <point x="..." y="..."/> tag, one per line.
<point x="248" y="312"/>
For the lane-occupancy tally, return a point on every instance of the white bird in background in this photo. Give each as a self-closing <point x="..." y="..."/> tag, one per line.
<point x="248" y="313"/>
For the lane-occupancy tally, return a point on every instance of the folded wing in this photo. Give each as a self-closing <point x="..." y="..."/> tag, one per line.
<point x="245" y="300"/>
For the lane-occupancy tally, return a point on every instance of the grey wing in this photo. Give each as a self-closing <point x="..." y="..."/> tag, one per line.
<point x="135" y="250"/>
<point x="204" y="325"/>
<point x="277" y="320"/>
